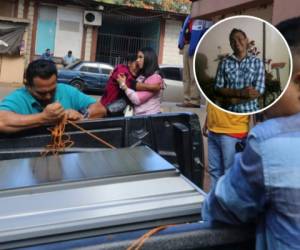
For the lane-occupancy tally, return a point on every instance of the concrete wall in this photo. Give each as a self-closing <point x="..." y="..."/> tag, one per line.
<point x="275" y="11"/>
<point x="12" y="67"/>
<point x="264" y="12"/>
<point x="20" y="9"/>
<point x="285" y="9"/>
<point x="170" y="51"/>
<point x="209" y="8"/>
<point x="88" y="43"/>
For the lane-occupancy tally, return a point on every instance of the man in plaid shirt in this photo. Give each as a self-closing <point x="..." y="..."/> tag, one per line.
<point x="240" y="77"/>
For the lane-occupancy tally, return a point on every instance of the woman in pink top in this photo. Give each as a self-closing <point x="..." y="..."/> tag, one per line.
<point x="145" y="102"/>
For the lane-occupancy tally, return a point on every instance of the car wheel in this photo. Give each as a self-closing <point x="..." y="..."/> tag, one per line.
<point x="78" y="84"/>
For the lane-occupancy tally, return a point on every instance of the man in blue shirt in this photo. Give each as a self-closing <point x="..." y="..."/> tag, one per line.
<point x="240" y="77"/>
<point x="69" y="59"/>
<point x="263" y="184"/>
<point x="43" y="101"/>
<point x="47" y="55"/>
<point x="190" y="34"/>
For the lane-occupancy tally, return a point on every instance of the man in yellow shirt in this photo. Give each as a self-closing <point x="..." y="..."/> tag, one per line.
<point x="224" y="131"/>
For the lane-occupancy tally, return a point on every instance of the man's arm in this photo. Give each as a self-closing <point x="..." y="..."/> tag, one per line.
<point x="11" y="122"/>
<point x="96" y="110"/>
<point x="237" y="202"/>
<point x="259" y="84"/>
<point x="228" y="96"/>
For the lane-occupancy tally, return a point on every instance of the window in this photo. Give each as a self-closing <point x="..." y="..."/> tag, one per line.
<point x="46" y="29"/>
<point x="106" y="71"/>
<point x="89" y="69"/>
<point x="172" y="73"/>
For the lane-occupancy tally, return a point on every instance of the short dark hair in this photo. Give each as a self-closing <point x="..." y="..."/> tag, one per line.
<point x="131" y="58"/>
<point x="233" y="31"/>
<point x="290" y="29"/>
<point x="39" y="68"/>
<point x="150" y="62"/>
<point x="70" y="52"/>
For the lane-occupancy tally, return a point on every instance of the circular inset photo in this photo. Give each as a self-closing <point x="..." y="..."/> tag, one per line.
<point x="242" y="64"/>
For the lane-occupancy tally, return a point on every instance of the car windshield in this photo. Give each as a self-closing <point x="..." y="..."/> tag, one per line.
<point x="72" y="65"/>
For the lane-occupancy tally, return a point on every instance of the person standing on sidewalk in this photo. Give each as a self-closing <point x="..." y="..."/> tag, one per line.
<point x="190" y="34"/>
<point x="224" y="131"/>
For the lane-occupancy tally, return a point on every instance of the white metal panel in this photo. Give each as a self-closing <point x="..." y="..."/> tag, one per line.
<point x="69" y="31"/>
<point x="69" y="210"/>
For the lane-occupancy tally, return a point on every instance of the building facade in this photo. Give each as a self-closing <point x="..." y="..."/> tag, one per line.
<point x="62" y="26"/>
<point x="272" y="11"/>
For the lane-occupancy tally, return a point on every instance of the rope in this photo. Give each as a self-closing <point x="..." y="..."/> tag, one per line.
<point x="92" y="135"/>
<point x="137" y="244"/>
<point x="60" y="141"/>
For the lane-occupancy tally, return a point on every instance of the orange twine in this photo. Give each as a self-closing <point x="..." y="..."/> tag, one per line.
<point x="60" y="141"/>
<point x="137" y="245"/>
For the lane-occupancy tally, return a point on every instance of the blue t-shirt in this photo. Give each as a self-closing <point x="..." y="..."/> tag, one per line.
<point x="22" y="102"/>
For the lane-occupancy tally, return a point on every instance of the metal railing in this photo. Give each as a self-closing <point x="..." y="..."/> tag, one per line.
<point x="114" y="49"/>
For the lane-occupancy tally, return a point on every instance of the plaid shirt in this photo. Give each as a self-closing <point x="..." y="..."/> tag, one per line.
<point x="263" y="186"/>
<point x="235" y="74"/>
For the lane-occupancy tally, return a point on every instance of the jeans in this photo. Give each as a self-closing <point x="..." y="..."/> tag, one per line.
<point x="221" y="151"/>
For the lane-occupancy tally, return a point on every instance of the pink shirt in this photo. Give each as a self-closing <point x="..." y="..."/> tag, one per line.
<point x="146" y="102"/>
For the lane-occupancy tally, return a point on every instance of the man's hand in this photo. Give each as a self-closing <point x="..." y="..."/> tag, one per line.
<point x="73" y="115"/>
<point x="121" y="79"/>
<point x="249" y="92"/>
<point x="53" y="113"/>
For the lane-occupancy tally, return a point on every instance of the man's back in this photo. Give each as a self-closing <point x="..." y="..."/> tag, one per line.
<point x="278" y="146"/>
<point x="268" y="186"/>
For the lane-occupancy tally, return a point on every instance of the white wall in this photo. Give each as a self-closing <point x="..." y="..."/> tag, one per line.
<point x="278" y="53"/>
<point x="219" y="37"/>
<point x="170" y="51"/>
<point x="69" y="30"/>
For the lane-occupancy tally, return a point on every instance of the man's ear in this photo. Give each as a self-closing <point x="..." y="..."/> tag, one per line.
<point x="248" y="43"/>
<point x="296" y="78"/>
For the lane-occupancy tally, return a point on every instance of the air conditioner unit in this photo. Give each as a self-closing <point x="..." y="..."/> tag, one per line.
<point x="92" y="18"/>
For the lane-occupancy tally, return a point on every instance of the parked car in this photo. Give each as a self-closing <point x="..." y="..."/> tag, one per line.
<point x="86" y="76"/>
<point x="173" y="83"/>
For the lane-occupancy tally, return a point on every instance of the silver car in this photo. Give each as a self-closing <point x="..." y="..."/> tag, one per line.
<point x="173" y="80"/>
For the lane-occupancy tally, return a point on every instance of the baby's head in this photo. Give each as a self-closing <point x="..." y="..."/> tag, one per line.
<point x="289" y="103"/>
